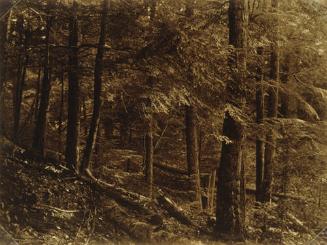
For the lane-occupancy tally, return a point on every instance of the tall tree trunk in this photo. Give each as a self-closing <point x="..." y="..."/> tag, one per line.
<point x="98" y="71"/>
<point x="62" y="105"/>
<point x="260" y="146"/>
<point x="149" y="150"/>
<point x="192" y="150"/>
<point x="73" y="123"/>
<point x="41" y="122"/>
<point x="272" y="103"/>
<point x="4" y="20"/>
<point x="21" y="75"/>
<point x="229" y="211"/>
<point x="191" y="134"/>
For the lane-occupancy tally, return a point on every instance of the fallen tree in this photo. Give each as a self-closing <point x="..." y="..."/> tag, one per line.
<point x="136" y="229"/>
<point x="173" y="209"/>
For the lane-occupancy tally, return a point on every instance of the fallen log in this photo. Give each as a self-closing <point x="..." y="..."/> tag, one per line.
<point x="298" y="224"/>
<point x="126" y="198"/>
<point x="170" y="169"/>
<point x="138" y="230"/>
<point x="173" y="209"/>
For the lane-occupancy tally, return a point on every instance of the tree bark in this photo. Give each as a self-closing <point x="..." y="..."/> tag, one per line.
<point x="73" y="123"/>
<point x="37" y="92"/>
<point x="192" y="150"/>
<point x="21" y="71"/>
<point x="5" y="19"/>
<point x="62" y="104"/>
<point x="229" y="208"/>
<point x="149" y="150"/>
<point x="259" y="120"/>
<point x="272" y="103"/>
<point x="41" y="122"/>
<point x="21" y="84"/>
<point x="229" y="211"/>
<point x="98" y="71"/>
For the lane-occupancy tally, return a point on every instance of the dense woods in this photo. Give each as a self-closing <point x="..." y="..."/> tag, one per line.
<point x="160" y="121"/>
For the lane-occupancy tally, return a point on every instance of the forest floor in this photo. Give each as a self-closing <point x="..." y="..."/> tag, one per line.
<point x="45" y="203"/>
<point x="42" y="203"/>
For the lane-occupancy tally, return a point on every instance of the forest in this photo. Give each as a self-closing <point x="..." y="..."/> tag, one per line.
<point x="163" y="122"/>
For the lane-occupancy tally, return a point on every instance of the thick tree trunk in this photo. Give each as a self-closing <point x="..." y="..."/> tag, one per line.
<point x="41" y="122"/>
<point x="149" y="150"/>
<point x="229" y="210"/>
<point x="73" y="123"/>
<point x="272" y="104"/>
<point x="98" y="71"/>
<point x="192" y="150"/>
<point x="230" y="207"/>
<point x="259" y="120"/>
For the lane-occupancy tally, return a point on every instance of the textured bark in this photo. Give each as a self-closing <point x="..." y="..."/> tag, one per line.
<point x="73" y="123"/>
<point x="229" y="208"/>
<point x="98" y="71"/>
<point x="272" y="109"/>
<point x="259" y="120"/>
<point x="192" y="150"/>
<point x="41" y="122"/>
<point x="148" y="159"/>
<point x="3" y="57"/>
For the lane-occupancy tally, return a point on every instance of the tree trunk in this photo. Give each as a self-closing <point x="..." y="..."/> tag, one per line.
<point x="272" y="103"/>
<point x="229" y="208"/>
<point x="18" y="85"/>
<point x="21" y="76"/>
<point x="192" y="150"/>
<point x="4" y="20"/>
<point x="148" y="159"/>
<point x="37" y="93"/>
<point x="41" y="122"/>
<point x="84" y="108"/>
<point x="98" y="71"/>
<point x="284" y="98"/>
<point x="61" y="113"/>
<point x="259" y="120"/>
<point x="73" y="123"/>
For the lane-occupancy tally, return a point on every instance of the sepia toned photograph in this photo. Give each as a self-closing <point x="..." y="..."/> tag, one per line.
<point x="191" y="122"/>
